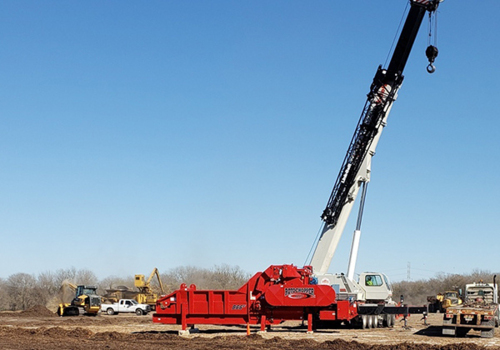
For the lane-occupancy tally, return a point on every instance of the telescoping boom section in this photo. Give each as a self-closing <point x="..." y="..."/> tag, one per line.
<point x="356" y="167"/>
<point x="280" y="293"/>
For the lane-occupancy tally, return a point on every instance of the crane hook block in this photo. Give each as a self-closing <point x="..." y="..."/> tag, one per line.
<point x="431" y="52"/>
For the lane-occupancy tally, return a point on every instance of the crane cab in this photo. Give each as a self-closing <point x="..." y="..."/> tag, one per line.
<point x="376" y="286"/>
<point x="372" y="287"/>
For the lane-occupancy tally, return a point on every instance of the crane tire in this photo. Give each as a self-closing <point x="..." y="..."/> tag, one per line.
<point x="389" y="321"/>
<point x="364" y="322"/>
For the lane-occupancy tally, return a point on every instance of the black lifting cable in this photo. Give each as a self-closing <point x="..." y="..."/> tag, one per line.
<point x="403" y="16"/>
<point x="431" y="52"/>
<point x="318" y="236"/>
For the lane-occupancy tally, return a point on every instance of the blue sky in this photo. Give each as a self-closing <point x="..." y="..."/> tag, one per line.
<point x="170" y="133"/>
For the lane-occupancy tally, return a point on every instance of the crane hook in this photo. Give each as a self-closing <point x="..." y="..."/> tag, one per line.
<point x="431" y="52"/>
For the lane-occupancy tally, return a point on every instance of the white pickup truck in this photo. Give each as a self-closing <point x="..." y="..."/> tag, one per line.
<point x="126" y="305"/>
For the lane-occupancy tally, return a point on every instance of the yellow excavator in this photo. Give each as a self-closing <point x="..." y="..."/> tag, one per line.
<point x="86" y="301"/>
<point x="146" y="294"/>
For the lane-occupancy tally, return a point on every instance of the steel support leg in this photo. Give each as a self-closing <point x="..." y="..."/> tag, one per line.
<point x="263" y="323"/>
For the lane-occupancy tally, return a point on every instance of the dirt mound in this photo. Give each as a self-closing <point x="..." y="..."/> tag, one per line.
<point x="38" y="311"/>
<point x="112" y="336"/>
<point x="89" y="320"/>
<point x="73" y="333"/>
<point x="52" y="332"/>
<point x="156" y="336"/>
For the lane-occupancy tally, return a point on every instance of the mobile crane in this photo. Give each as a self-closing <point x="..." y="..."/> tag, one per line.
<point x="354" y="175"/>
<point x="286" y="292"/>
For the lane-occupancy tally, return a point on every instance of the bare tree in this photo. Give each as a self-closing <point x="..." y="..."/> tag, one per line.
<point x="185" y="274"/>
<point x="21" y="291"/>
<point x="219" y="277"/>
<point x="227" y="277"/>
<point x="46" y="287"/>
<point x="63" y="275"/>
<point x="85" y="277"/>
<point x="4" y="299"/>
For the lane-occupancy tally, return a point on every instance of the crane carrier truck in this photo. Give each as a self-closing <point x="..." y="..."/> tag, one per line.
<point x="286" y="292"/>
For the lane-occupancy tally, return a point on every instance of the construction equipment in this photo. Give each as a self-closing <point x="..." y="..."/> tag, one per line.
<point x="115" y="294"/>
<point x="146" y="294"/>
<point x="450" y="298"/>
<point x="286" y="292"/>
<point x="86" y="301"/>
<point x="480" y="311"/>
<point x="442" y="301"/>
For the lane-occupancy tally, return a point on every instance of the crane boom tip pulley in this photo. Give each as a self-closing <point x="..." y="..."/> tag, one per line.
<point x="431" y="52"/>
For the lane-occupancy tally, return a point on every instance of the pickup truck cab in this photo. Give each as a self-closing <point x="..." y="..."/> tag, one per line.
<point x="126" y="305"/>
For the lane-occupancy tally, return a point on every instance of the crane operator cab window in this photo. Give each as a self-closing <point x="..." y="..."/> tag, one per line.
<point x="373" y="280"/>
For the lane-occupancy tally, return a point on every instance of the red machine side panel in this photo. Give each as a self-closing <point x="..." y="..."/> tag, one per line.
<point x="302" y="295"/>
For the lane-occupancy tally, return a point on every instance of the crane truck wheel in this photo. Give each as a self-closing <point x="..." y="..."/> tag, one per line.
<point x="364" y="322"/>
<point x="110" y="311"/>
<point x="138" y="312"/>
<point x="389" y="321"/>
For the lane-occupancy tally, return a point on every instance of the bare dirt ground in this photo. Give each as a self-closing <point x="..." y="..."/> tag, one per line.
<point x="40" y="329"/>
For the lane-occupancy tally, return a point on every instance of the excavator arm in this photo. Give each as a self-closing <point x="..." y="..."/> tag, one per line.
<point x="145" y="285"/>
<point x="157" y="273"/>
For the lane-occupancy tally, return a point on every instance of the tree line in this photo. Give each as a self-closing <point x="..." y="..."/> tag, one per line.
<point x="22" y="291"/>
<point x="416" y="292"/>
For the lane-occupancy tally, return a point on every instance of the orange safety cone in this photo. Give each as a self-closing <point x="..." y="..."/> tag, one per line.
<point x="248" y="328"/>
